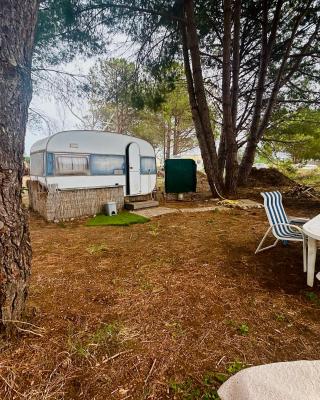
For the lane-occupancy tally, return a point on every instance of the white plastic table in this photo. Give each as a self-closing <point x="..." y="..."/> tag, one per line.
<point x="294" y="380"/>
<point x="312" y="230"/>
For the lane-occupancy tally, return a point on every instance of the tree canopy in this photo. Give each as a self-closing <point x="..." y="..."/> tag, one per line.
<point x="296" y="133"/>
<point x="125" y="100"/>
<point x="111" y="91"/>
<point x="245" y="59"/>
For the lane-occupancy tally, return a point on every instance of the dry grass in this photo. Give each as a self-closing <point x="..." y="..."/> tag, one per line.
<point x="154" y="311"/>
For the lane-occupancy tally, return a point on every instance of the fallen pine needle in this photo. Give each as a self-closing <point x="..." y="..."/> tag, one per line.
<point x="12" y="388"/>
<point x="13" y="321"/>
<point x="150" y="372"/>
<point x="218" y="363"/>
<point x="115" y="356"/>
<point x="29" y="331"/>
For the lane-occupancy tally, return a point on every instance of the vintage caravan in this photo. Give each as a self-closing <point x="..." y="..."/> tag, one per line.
<point x="74" y="173"/>
<point x="94" y="159"/>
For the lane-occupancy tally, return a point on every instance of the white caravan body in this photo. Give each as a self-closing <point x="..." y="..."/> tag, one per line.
<point x="94" y="159"/>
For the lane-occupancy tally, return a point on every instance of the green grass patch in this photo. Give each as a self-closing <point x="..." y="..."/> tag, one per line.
<point x="235" y="367"/>
<point x="105" y="340"/>
<point x="243" y="329"/>
<point x="205" y="388"/>
<point x="313" y="298"/>
<point x="122" y="219"/>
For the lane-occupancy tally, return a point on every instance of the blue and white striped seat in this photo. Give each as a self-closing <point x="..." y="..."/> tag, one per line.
<point x="282" y="228"/>
<point x="278" y="219"/>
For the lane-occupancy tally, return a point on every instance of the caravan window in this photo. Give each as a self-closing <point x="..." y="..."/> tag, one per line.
<point x="71" y="165"/>
<point x="37" y="164"/>
<point x="107" y="164"/>
<point x="148" y="165"/>
<point x="50" y="164"/>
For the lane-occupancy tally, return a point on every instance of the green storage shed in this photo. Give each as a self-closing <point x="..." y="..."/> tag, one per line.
<point x="180" y="175"/>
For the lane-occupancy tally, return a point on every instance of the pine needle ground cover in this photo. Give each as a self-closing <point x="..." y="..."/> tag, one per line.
<point x="166" y="310"/>
<point x="122" y="219"/>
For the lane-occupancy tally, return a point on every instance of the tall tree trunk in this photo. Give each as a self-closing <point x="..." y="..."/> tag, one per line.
<point x="175" y="147"/>
<point x="17" y="26"/>
<point x="247" y="161"/>
<point x="235" y="63"/>
<point x="229" y="134"/>
<point x="222" y="154"/>
<point x="164" y="142"/>
<point x="197" y="98"/>
<point x="234" y="94"/>
<point x="259" y="131"/>
<point x="266" y="49"/>
<point x="168" y="142"/>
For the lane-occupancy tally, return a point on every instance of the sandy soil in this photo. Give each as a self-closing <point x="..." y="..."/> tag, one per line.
<point x="150" y="311"/>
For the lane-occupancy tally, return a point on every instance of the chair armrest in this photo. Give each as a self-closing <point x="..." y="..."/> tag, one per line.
<point x="298" y="220"/>
<point x="290" y="225"/>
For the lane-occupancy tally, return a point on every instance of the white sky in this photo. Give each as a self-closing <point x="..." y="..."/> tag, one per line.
<point x="59" y="117"/>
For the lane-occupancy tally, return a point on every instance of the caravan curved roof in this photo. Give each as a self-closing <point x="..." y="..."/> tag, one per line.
<point x="90" y="142"/>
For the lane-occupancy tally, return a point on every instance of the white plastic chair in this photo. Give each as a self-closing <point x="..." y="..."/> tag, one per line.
<point x="282" y="227"/>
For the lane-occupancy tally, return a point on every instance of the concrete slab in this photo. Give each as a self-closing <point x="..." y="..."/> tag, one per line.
<point x="224" y="205"/>
<point x="139" y="205"/>
<point x="203" y="209"/>
<point x="155" y="212"/>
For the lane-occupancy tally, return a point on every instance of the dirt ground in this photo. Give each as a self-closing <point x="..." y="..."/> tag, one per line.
<point x="155" y="311"/>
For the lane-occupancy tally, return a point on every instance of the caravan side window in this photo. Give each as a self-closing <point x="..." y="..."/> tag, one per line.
<point x="148" y="165"/>
<point x="50" y="164"/>
<point x="71" y="164"/>
<point x="37" y="164"/>
<point x="107" y="164"/>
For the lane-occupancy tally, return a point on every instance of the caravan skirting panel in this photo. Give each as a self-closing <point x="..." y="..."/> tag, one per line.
<point x="66" y="204"/>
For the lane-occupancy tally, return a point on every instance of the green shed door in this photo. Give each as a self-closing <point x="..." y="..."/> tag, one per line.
<point x="180" y="175"/>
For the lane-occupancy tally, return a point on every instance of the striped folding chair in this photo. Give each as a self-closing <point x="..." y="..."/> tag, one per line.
<point x="283" y="228"/>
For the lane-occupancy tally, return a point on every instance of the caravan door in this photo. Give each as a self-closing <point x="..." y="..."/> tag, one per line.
<point x="133" y="169"/>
